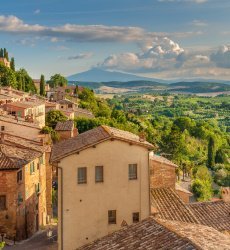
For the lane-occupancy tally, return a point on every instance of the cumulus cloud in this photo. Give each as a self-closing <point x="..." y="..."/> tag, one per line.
<point x="81" y="56"/>
<point x="222" y="57"/>
<point x="162" y="55"/>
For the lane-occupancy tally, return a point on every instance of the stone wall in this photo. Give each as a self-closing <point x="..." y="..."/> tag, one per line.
<point x="8" y="187"/>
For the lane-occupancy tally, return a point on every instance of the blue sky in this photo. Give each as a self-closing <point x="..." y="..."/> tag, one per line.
<point x="157" y="38"/>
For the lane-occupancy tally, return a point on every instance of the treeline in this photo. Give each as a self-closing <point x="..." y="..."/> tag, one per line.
<point x="19" y="79"/>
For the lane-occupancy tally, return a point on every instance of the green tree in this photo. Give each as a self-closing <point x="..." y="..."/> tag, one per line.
<point x="6" y="55"/>
<point x="174" y="144"/>
<point x="202" y="190"/>
<point x="7" y="77"/>
<point x="42" y="86"/>
<point x="202" y="185"/>
<point x="221" y="156"/>
<point x="57" y="80"/>
<point x="53" y="117"/>
<point x="12" y="63"/>
<point x="26" y="81"/>
<point x="211" y="152"/>
<point x="1" y="53"/>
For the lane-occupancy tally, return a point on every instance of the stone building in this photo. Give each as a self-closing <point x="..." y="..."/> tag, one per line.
<point x="66" y="129"/>
<point x="5" y="62"/>
<point x="31" y="111"/>
<point x="23" y="189"/>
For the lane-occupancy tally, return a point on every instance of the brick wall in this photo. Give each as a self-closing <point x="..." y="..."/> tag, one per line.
<point x="162" y="175"/>
<point x="185" y="197"/>
<point x="8" y="187"/>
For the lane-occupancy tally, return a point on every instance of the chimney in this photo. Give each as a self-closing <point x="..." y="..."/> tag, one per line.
<point x="142" y="137"/>
<point x="225" y="194"/>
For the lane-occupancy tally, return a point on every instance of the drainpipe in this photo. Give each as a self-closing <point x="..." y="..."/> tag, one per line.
<point x="61" y="177"/>
<point x="149" y="181"/>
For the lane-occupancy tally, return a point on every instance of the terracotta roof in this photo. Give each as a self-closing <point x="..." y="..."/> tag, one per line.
<point x="145" y="235"/>
<point x="11" y="119"/>
<point x="65" y="126"/>
<point x="202" y="236"/>
<point x="65" y="101"/>
<point x="14" y="157"/>
<point x="160" y="234"/>
<point x="162" y="160"/>
<point x="25" y="104"/>
<point x="169" y="206"/>
<point x="214" y="214"/>
<point x="93" y="137"/>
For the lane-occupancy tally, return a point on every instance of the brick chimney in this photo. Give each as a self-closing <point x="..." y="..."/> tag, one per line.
<point x="142" y="137"/>
<point x="225" y="194"/>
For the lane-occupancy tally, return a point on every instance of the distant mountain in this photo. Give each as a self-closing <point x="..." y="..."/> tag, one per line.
<point x="100" y="75"/>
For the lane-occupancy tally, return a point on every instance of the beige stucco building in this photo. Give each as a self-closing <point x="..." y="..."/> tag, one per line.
<point x="103" y="180"/>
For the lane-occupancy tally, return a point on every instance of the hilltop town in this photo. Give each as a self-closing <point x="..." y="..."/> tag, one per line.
<point x="81" y="171"/>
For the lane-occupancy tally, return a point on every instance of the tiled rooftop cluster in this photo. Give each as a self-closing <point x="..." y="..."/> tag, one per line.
<point x="16" y="152"/>
<point x="164" y="235"/>
<point x="214" y="214"/>
<point x="170" y="207"/>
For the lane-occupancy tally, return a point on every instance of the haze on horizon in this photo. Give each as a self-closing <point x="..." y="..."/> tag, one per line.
<point x="159" y="38"/>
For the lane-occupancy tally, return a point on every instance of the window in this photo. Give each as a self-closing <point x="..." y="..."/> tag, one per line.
<point x="2" y="202"/>
<point x="37" y="188"/>
<point x="99" y="174"/>
<point x="135" y="217"/>
<point x="32" y="169"/>
<point x="19" y="176"/>
<point x="112" y="217"/>
<point x="82" y="175"/>
<point x="41" y="160"/>
<point x="132" y="171"/>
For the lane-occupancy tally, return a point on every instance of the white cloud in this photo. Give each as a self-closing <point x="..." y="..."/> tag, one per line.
<point x="84" y="33"/>
<point x="163" y="54"/>
<point x="37" y="11"/>
<point x="222" y="57"/>
<point x="166" y="59"/>
<point x="81" y="56"/>
<point x="199" y="23"/>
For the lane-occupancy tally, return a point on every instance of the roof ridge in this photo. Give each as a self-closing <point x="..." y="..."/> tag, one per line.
<point x="107" y="129"/>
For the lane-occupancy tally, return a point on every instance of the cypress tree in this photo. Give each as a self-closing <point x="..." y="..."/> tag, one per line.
<point x="1" y="53"/>
<point x="211" y="152"/>
<point x="6" y="55"/>
<point x="12" y="64"/>
<point x="42" y="85"/>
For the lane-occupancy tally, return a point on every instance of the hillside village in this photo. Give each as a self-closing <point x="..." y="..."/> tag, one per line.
<point x="99" y="182"/>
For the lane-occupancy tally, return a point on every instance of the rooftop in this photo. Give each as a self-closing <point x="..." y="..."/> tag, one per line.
<point x="15" y="157"/>
<point x="65" y="126"/>
<point x="152" y="234"/>
<point x="93" y="137"/>
<point x="25" y="104"/>
<point x="169" y="206"/>
<point x="161" y="159"/>
<point x="215" y="214"/>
